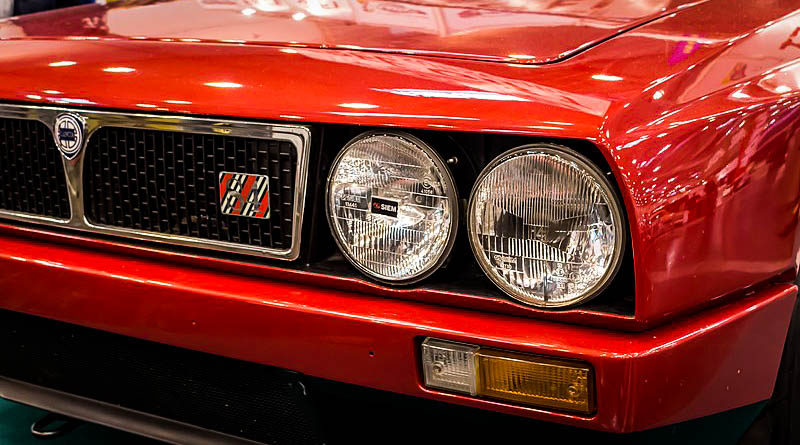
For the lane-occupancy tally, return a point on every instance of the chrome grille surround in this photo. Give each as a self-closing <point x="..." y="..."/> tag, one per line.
<point x="299" y="136"/>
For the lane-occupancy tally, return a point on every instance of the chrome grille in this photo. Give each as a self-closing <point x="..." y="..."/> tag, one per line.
<point x="168" y="182"/>
<point x="32" y="177"/>
<point x="155" y="178"/>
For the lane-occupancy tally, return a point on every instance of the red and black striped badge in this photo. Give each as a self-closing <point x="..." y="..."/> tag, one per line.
<point x="241" y="194"/>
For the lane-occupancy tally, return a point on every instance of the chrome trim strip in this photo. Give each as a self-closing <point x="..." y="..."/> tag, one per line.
<point x="114" y="416"/>
<point x="297" y="135"/>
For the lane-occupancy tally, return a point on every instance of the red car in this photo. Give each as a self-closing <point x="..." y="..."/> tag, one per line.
<point x="338" y="221"/>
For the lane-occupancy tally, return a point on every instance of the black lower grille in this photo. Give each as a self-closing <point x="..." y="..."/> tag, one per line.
<point x="230" y="396"/>
<point x="32" y="178"/>
<point x="168" y="182"/>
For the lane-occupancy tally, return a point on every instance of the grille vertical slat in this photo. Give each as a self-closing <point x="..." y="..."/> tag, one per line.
<point x="32" y="178"/>
<point x="180" y="183"/>
<point x="275" y="171"/>
<point x="161" y="166"/>
<point x="152" y="177"/>
<point x="236" y="159"/>
<point x="168" y="182"/>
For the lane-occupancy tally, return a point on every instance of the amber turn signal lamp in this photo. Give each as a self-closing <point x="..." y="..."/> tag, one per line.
<point x="525" y="379"/>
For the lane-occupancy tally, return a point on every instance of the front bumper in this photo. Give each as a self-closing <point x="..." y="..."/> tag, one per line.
<point x="713" y="361"/>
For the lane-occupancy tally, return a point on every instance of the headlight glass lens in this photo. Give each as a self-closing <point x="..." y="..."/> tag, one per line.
<point x="391" y="205"/>
<point x="545" y="226"/>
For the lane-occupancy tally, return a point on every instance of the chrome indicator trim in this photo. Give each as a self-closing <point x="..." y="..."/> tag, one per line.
<point x="299" y="136"/>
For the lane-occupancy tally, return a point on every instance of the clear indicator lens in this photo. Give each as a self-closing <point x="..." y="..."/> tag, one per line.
<point x="391" y="205"/>
<point x="545" y="226"/>
<point x="449" y="365"/>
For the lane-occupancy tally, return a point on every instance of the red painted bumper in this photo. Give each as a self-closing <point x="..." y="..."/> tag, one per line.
<point x="709" y="362"/>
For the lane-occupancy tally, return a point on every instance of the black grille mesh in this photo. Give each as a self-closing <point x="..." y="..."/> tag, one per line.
<point x="32" y="176"/>
<point x="221" y="394"/>
<point x="168" y="182"/>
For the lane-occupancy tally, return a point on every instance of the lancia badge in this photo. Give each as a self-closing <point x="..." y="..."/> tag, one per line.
<point x="241" y="194"/>
<point x="68" y="133"/>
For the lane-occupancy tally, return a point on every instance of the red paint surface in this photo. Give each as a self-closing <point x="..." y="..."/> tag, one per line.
<point x="695" y="145"/>
<point x="695" y="112"/>
<point x="713" y="361"/>
<point x="494" y="30"/>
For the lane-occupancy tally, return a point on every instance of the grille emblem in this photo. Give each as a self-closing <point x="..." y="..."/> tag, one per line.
<point x="241" y="194"/>
<point x="69" y="129"/>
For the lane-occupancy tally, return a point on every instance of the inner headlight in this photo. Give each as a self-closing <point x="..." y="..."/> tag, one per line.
<point x="545" y="226"/>
<point x="392" y="206"/>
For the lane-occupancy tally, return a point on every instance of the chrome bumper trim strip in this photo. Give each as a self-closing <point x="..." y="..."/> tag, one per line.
<point x="114" y="416"/>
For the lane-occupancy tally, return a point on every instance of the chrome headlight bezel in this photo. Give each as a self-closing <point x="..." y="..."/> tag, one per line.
<point x="614" y="204"/>
<point x="446" y="177"/>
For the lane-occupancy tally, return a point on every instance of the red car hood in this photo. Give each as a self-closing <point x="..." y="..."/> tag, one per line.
<point x="531" y="31"/>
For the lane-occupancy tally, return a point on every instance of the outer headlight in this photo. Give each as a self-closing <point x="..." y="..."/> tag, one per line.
<point x="546" y="226"/>
<point x="392" y="206"/>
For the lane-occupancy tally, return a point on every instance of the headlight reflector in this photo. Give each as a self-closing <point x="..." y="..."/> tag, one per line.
<point x="546" y="226"/>
<point x="392" y="206"/>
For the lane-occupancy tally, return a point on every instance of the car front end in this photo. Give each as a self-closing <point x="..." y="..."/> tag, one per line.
<point x="185" y="255"/>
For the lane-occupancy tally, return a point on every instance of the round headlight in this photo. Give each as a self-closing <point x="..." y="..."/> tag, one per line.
<point x="545" y="226"/>
<point x="392" y="206"/>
